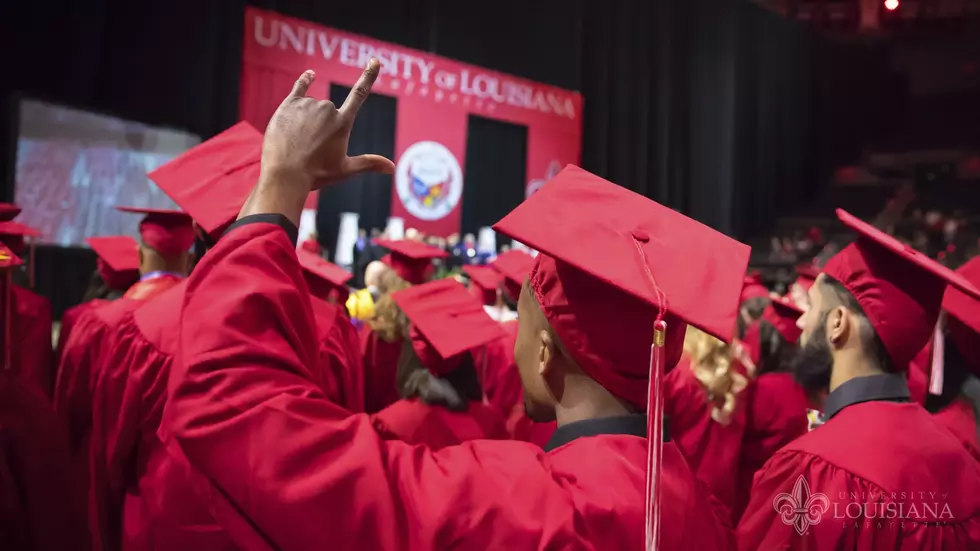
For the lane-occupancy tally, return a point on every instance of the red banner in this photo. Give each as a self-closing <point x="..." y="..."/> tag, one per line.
<point x="435" y="96"/>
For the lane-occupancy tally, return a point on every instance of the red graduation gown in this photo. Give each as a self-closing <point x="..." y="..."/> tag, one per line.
<point x="32" y="357"/>
<point x="524" y="429"/>
<point x="711" y="449"/>
<point x="776" y="415"/>
<point x="380" y="361"/>
<point x="340" y="358"/>
<point x="93" y="344"/>
<point x="436" y="427"/>
<point x="68" y="320"/>
<point x="888" y="451"/>
<point x="149" y="501"/>
<point x="958" y="416"/>
<point x="161" y="506"/>
<point x="42" y="507"/>
<point x="293" y="471"/>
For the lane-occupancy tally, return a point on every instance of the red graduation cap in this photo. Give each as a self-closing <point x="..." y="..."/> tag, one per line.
<point x="211" y="181"/>
<point x="618" y="277"/>
<point x="322" y="277"/>
<point x="447" y="322"/>
<point x="12" y="235"/>
<point x="610" y="261"/>
<point x="900" y="289"/>
<point x="963" y="316"/>
<point x="806" y="275"/>
<point x="118" y="260"/>
<point x="783" y="314"/>
<point x="411" y="260"/>
<point x="514" y="265"/>
<point x="484" y="283"/>
<point x="752" y="287"/>
<point x="8" y="211"/>
<point x="169" y="232"/>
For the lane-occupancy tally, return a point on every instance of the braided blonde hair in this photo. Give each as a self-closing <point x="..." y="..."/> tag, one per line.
<point x="711" y="362"/>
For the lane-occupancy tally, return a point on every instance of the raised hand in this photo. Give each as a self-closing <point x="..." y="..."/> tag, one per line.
<point x="306" y="140"/>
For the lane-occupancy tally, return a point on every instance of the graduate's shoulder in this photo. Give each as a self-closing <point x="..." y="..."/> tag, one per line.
<point x="30" y="304"/>
<point x="157" y="320"/>
<point x="886" y="444"/>
<point x="108" y="315"/>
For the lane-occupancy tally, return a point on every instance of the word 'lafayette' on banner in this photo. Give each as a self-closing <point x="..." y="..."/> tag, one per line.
<point x="435" y="97"/>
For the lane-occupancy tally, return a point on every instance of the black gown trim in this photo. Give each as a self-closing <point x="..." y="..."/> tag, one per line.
<point x="634" y="425"/>
<point x="888" y="387"/>
<point x="268" y="218"/>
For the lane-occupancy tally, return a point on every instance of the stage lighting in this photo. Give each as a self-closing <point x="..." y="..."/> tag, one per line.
<point x="891" y="5"/>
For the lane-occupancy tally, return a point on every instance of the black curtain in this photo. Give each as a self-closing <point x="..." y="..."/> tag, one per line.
<point x="702" y="105"/>
<point x="367" y="194"/>
<point x="496" y="168"/>
<point x="174" y="64"/>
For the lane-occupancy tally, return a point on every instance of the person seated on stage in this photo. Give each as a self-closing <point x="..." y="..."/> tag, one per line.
<point x="442" y="401"/>
<point x="618" y="279"/>
<point x="409" y="263"/>
<point x="776" y="404"/>
<point x="117" y="268"/>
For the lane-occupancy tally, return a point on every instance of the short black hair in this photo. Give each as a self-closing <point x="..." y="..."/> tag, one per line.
<point x="871" y="342"/>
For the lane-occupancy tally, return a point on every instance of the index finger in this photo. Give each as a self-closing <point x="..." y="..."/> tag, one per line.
<point x="362" y="89"/>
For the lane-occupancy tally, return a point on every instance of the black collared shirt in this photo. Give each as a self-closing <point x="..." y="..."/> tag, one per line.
<point x="889" y="387"/>
<point x="634" y="425"/>
<point x="268" y="218"/>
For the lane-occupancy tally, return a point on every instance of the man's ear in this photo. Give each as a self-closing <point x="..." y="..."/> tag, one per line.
<point x="546" y="351"/>
<point x="840" y="323"/>
<point x="551" y="371"/>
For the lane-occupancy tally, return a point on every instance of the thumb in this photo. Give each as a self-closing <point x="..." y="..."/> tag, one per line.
<point x="302" y="84"/>
<point x="367" y="163"/>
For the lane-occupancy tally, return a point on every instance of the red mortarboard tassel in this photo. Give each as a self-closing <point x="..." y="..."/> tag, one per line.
<point x="655" y="433"/>
<point x="655" y="409"/>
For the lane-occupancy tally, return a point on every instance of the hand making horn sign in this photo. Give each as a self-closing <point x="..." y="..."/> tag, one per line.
<point x="305" y="147"/>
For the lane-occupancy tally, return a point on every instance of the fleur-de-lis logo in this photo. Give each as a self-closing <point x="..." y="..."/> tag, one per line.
<point x="801" y="509"/>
